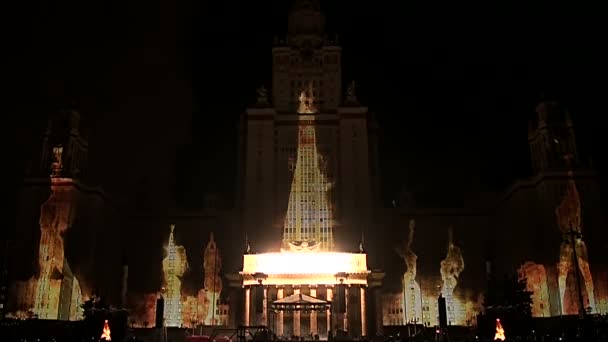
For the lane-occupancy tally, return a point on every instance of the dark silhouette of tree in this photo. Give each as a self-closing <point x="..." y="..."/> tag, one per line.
<point x="509" y="296"/>
<point x="95" y="311"/>
<point x="94" y="307"/>
<point x="510" y="301"/>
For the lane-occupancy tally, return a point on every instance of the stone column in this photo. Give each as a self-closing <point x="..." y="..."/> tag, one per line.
<point x="280" y="330"/>
<point x="374" y="282"/>
<point x="296" y="316"/>
<point x="363" y="317"/>
<point x="345" y="321"/>
<point x="236" y="315"/>
<point x="329" y="299"/>
<point x="247" y="305"/>
<point x="265" y="308"/>
<point x="313" y="314"/>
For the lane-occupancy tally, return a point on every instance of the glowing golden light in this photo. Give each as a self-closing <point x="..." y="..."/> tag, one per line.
<point x="320" y="263"/>
<point x="500" y="332"/>
<point x="307" y="101"/>
<point x="175" y="265"/>
<point x="105" y="335"/>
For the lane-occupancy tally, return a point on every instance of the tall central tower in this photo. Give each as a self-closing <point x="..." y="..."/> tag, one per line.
<point x="306" y="58"/>
<point x="306" y="150"/>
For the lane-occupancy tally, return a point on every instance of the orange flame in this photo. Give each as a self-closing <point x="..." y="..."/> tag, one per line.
<point x="105" y="335"/>
<point x="500" y="332"/>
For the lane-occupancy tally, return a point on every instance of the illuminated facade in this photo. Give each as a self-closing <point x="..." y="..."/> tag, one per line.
<point x="182" y="310"/>
<point x="536" y="278"/>
<point x="175" y="265"/>
<point x="537" y="228"/>
<point x="393" y="309"/>
<point x="418" y="303"/>
<point x="576" y="221"/>
<point x="304" y="120"/>
<point x="55" y="292"/>
<point x="212" y="265"/>
<point x="309" y="214"/>
<point x="307" y="192"/>
<point x="307" y="195"/>
<point x="278" y="288"/>
<point x="450" y="269"/>
<point x="412" y="294"/>
<point x="573" y="254"/>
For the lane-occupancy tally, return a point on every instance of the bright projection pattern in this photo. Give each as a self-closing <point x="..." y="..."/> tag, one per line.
<point x="315" y="263"/>
<point x="212" y="264"/>
<point x="569" y="219"/>
<point x="182" y="309"/>
<point x="451" y="267"/>
<point x="419" y="303"/>
<point x="411" y="288"/>
<point x="309" y="213"/>
<point x="568" y="214"/>
<point x="175" y="265"/>
<point x="536" y="280"/>
<point x="55" y="293"/>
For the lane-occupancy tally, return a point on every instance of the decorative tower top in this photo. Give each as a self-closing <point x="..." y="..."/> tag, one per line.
<point x="247" y="245"/>
<point x="551" y="136"/>
<point x="351" y="95"/>
<point x="306" y="23"/>
<point x="262" y="97"/>
<point x="307" y="101"/>
<point x="306" y="57"/>
<point x="64" y="149"/>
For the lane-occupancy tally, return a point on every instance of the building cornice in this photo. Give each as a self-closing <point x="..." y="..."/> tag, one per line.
<point x="498" y="200"/>
<point x="353" y="112"/>
<point x="533" y="182"/>
<point x="261" y="112"/>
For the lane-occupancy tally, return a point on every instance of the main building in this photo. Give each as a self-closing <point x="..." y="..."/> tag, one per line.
<point x="308" y="194"/>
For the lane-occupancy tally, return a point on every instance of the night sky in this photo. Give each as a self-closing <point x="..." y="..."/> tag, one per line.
<point x="161" y="85"/>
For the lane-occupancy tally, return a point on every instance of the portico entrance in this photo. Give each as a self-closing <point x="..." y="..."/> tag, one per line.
<point x="304" y="305"/>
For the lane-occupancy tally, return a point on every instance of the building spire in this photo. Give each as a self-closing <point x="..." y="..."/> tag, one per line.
<point x="64" y="148"/>
<point x="306" y="20"/>
<point x="247" y="245"/>
<point x="362" y="242"/>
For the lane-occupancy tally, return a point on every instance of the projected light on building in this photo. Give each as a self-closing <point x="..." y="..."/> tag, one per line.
<point x="419" y="303"/>
<point x="450" y="270"/>
<point x="573" y="254"/>
<point x="309" y="213"/>
<point x="55" y="293"/>
<point x="175" y="265"/>
<point x="412" y="301"/>
<point x="212" y="265"/>
<point x="536" y="280"/>
<point x="204" y="307"/>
